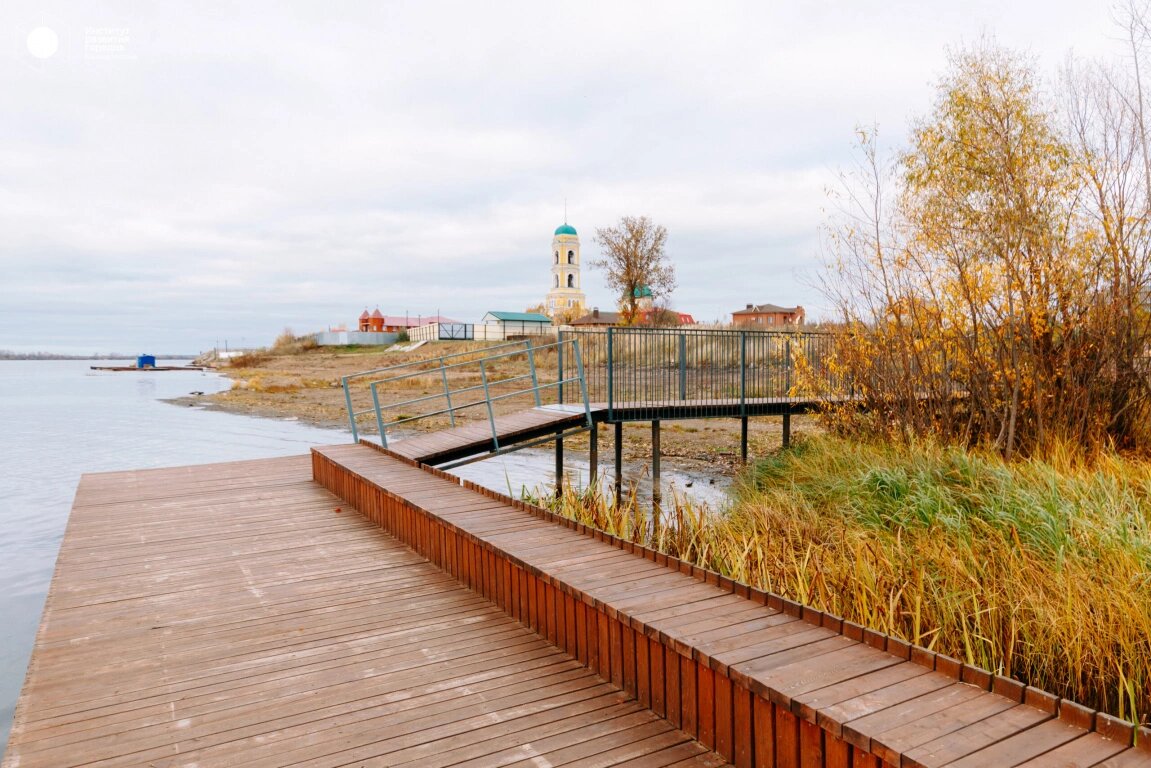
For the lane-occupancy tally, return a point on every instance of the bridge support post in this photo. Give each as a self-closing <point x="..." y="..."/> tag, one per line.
<point x="743" y="439"/>
<point x="655" y="488"/>
<point x="559" y="467"/>
<point x="618" y="462"/>
<point x="593" y="456"/>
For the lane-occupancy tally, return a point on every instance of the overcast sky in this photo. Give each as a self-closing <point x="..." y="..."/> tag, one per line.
<point x="174" y="175"/>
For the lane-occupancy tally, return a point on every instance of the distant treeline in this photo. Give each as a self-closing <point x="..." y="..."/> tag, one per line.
<point x="6" y="355"/>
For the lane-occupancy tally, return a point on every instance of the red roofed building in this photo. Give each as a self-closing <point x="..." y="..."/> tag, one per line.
<point x="378" y="322"/>
<point x="658" y="316"/>
<point x="373" y="323"/>
<point x="397" y="323"/>
<point x="768" y="315"/>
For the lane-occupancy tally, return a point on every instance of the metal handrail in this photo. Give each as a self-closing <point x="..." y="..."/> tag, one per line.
<point x="473" y="403"/>
<point x="345" y="381"/>
<point x="441" y="358"/>
<point x="460" y="391"/>
<point x="488" y="385"/>
<point x="631" y="370"/>
<point x="414" y="374"/>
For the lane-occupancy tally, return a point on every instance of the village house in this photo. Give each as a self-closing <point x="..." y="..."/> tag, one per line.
<point x="644" y="317"/>
<point x="769" y="316"/>
<point x="517" y="323"/>
<point x="375" y="328"/>
<point x="377" y="322"/>
<point x="596" y="319"/>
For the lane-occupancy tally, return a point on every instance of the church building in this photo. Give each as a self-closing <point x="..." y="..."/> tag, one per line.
<point x="566" y="294"/>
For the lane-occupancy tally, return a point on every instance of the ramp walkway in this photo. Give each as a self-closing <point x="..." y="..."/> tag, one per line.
<point x="542" y="424"/>
<point x="481" y="438"/>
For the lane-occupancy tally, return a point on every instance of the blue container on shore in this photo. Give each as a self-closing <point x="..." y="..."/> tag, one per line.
<point x="146" y="361"/>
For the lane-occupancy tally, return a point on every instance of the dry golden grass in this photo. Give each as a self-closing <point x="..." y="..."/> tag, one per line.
<point x="1039" y="570"/>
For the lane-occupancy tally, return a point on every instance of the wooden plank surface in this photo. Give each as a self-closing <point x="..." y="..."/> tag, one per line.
<point x="241" y="615"/>
<point x="800" y="676"/>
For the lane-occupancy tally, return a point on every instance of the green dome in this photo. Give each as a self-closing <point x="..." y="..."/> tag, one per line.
<point x="565" y="229"/>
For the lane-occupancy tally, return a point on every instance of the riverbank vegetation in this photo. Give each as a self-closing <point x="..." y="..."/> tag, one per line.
<point x="991" y="500"/>
<point x="1004" y="255"/>
<point x="1040" y="570"/>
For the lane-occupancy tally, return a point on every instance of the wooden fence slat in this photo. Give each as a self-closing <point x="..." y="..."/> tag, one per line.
<point x="763" y="722"/>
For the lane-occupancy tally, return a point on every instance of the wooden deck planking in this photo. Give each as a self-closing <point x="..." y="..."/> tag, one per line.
<point x="879" y="702"/>
<point x="230" y="615"/>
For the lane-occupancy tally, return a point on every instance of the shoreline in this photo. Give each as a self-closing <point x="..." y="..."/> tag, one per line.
<point x="305" y="387"/>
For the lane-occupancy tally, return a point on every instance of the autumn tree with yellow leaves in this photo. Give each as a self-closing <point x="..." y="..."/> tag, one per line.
<point x="993" y="280"/>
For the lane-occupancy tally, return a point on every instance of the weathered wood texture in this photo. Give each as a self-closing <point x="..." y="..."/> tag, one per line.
<point x="241" y="615"/>
<point x="763" y="681"/>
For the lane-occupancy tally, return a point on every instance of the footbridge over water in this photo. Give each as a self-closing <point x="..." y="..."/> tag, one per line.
<point x="497" y="399"/>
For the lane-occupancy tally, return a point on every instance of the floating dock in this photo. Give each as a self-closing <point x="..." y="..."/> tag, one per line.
<point x="123" y="368"/>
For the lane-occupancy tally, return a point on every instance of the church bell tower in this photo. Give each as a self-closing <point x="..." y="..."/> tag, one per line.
<point x="566" y="293"/>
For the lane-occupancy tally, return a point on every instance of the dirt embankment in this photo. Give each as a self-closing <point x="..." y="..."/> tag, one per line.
<point x="306" y="385"/>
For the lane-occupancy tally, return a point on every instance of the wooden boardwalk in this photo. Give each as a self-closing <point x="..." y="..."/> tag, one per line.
<point x="762" y="681"/>
<point x="241" y="615"/>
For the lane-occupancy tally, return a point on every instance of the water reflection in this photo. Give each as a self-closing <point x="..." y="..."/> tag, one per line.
<point x="146" y="387"/>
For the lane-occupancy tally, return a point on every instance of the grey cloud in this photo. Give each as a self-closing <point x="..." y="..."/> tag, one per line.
<point x="270" y="164"/>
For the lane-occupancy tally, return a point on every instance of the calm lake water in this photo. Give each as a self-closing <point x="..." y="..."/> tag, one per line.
<point x="59" y="420"/>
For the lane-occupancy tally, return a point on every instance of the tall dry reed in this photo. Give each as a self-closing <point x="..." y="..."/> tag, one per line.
<point x="1040" y="570"/>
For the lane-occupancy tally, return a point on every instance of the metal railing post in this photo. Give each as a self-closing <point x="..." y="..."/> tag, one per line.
<point x="787" y="368"/>
<point x="379" y="416"/>
<point x="560" y="368"/>
<point x="787" y="393"/>
<point x="582" y="381"/>
<point x="610" y="373"/>
<point x="491" y="413"/>
<point x="683" y="366"/>
<point x="351" y="413"/>
<point x="447" y="391"/>
<point x="532" y="367"/>
<point x="743" y="373"/>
